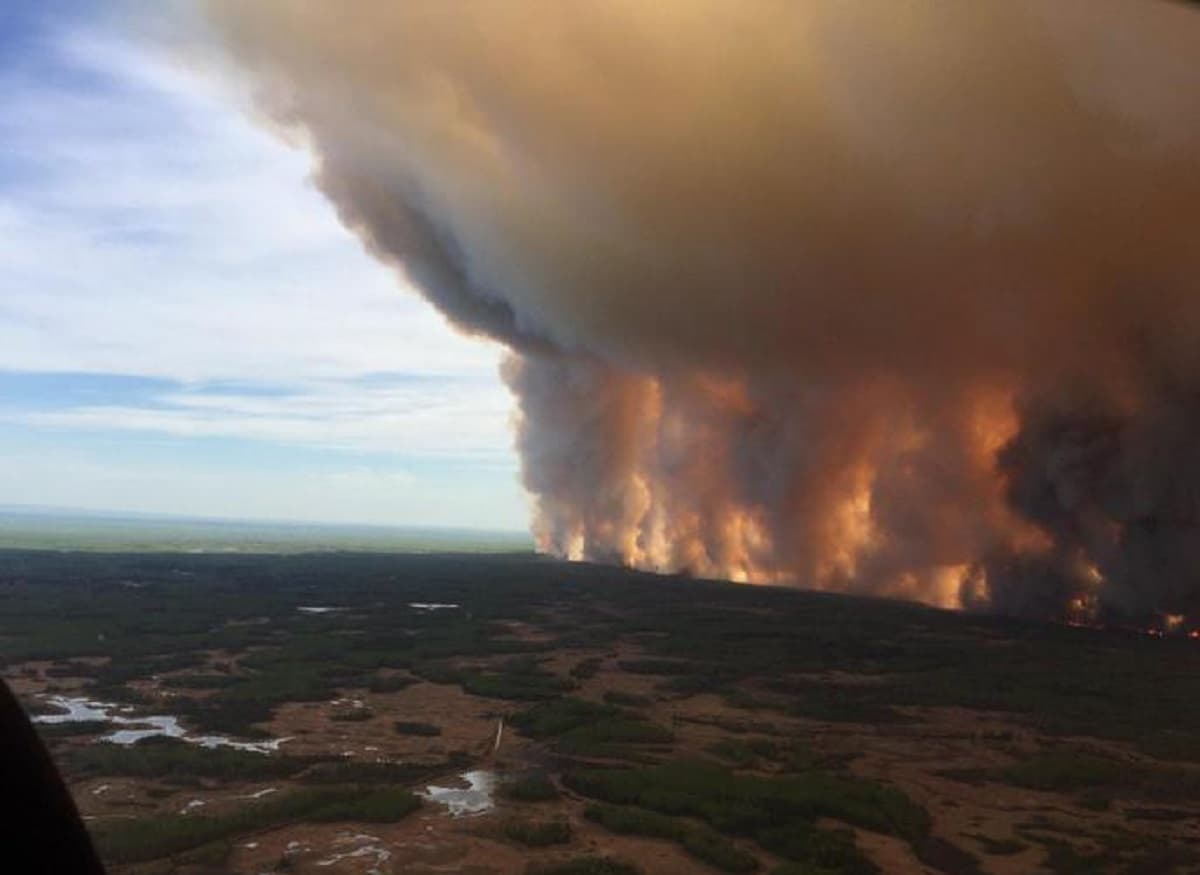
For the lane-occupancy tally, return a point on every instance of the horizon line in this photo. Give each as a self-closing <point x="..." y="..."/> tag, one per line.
<point x="20" y="509"/>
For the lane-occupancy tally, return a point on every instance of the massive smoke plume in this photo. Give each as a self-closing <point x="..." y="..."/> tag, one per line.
<point x="894" y="296"/>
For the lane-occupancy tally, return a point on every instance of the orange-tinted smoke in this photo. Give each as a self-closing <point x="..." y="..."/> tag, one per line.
<point x="818" y="292"/>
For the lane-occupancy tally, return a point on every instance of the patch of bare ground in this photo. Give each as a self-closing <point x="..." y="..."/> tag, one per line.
<point x="524" y="632"/>
<point x="116" y="797"/>
<point x="700" y="721"/>
<point x="562" y="661"/>
<point x="608" y="674"/>
<point x="467" y="724"/>
<point x="891" y="854"/>
<point x="426" y="843"/>
<point x="33" y="678"/>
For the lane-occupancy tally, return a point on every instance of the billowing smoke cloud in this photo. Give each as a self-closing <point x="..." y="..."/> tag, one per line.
<point x="895" y="296"/>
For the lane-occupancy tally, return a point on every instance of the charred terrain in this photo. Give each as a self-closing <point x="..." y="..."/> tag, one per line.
<point x="354" y="713"/>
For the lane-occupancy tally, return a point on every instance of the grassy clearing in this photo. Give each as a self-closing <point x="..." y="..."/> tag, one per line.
<point x="149" y="838"/>
<point x="412" y="727"/>
<point x="626" y="700"/>
<point x="586" y="668"/>
<point x="172" y="760"/>
<point x="352" y="715"/>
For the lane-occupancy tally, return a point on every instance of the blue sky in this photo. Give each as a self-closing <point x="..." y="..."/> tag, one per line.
<point x="185" y="327"/>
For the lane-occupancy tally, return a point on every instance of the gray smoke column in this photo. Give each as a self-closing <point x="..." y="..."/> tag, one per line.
<point x="891" y="296"/>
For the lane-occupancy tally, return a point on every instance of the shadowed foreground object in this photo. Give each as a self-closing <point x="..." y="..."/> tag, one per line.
<point x="887" y="297"/>
<point x="43" y="834"/>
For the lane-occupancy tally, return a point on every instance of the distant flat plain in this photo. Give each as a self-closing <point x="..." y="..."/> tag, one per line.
<point x="66" y="529"/>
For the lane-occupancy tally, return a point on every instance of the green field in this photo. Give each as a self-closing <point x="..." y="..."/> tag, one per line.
<point x="145" y="534"/>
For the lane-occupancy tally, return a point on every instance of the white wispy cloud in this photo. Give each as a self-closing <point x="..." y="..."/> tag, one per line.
<point x="354" y="493"/>
<point x="150" y="228"/>
<point x="429" y="418"/>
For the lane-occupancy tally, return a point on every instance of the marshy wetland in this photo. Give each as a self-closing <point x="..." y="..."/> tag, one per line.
<point x="493" y="714"/>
